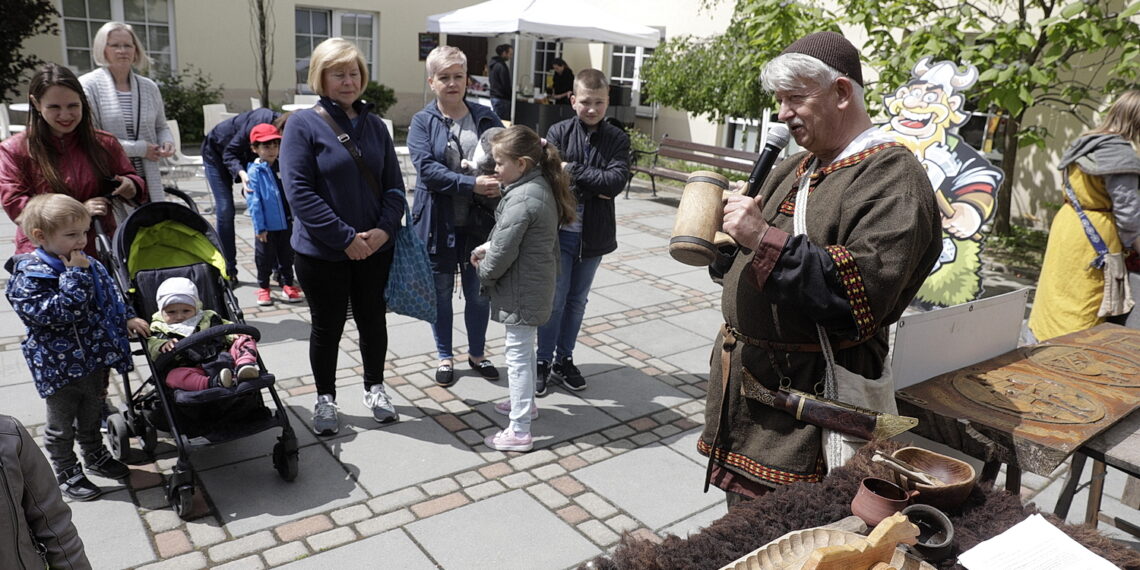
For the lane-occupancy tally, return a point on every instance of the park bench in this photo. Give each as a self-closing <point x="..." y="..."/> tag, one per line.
<point x="690" y="152"/>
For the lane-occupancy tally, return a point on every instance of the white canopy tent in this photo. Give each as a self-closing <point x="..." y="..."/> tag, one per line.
<point x="546" y="20"/>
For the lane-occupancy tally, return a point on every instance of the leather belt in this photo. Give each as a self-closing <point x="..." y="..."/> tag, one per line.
<point x="788" y="346"/>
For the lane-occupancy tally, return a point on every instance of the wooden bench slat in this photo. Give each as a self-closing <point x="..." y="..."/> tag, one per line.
<point x="703" y="154"/>
<point x="707" y="160"/>
<point x="709" y="149"/>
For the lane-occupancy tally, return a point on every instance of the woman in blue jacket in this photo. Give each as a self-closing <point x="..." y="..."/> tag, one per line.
<point x="343" y="225"/>
<point x="450" y="193"/>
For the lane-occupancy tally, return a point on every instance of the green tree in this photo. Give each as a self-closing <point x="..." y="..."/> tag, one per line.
<point x="183" y="94"/>
<point x="20" y="20"/>
<point x="1034" y="54"/>
<point x="264" y="26"/>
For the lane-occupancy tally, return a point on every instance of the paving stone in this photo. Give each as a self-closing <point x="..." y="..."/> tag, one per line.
<point x="385" y="522"/>
<point x="398" y="552"/>
<point x="189" y="561"/>
<point x="646" y="534"/>
<point x="163" y="520"/>
<point x="518" y="480"/>
<point x="476" y="420"/>
<point x="533" y="459"/>
<point x="205" y="532"/>
<point x="566" y="449"/>
<point x="548" y="495"/>
<point x="331" y="539"/>
<point x="697" y="522"/>
<point x="567" y="485"/>
<point x="241" y="546"/>
<point x="590" y="441"/>
<point x="126" y="542"/>
<point x="573" y="514"/>
<point x="548" y="471"/>
<point x="596" y="454"/>
<point x="436" y="506"/>
<point x="152" y="499"/>
<point x="305" y="527"/>
<point x="285" y="553"/>
<point x="396" y="500"/>
<point x="440" y="487"/>
<point x="573" y="462"/>
<point x="172" y="543"/>
<point x="248" y="563"/>
<point x="490" y="538"/>
<point x="667" y="431"/>
<point x="484" y="490"/>
<point x="595" y="505"/>
<point x="469" y="478"/>
<point x="639" y="440"/>
<point x="351" y="514"/>
<point x="496" y="470"/>
<point x="621" y="523"/>
<point x="598" y="532"/>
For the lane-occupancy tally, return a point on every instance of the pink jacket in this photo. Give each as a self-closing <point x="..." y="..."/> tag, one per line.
<point x="21" y="179"/>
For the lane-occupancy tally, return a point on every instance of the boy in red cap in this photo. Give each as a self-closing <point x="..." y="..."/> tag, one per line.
<point x="272" y="221"/>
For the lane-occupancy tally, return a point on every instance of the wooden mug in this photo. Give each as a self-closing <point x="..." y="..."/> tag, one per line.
<point x="696" y="232"/>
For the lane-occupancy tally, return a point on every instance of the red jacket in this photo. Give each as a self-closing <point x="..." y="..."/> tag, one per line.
<point x="21" y="179"/>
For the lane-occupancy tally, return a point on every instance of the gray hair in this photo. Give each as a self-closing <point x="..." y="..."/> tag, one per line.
<point x="443" y="57"/>
<point x="99" y="45"/>
<point x="795" y="71"/>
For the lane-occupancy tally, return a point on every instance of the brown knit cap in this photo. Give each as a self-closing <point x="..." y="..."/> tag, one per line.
<point x="832" y="49"/>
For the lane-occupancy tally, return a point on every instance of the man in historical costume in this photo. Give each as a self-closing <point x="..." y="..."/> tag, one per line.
<point x="872" y="235"/>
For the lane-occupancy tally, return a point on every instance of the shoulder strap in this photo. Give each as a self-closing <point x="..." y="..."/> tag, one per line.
<point x="350" y="146"/>
<point x="1090" y="231"/>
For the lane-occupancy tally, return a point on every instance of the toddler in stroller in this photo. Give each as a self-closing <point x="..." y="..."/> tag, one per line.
<point x="209" y="365"/>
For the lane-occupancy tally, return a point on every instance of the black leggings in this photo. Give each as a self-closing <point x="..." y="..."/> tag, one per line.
<point x="329" y="285"/>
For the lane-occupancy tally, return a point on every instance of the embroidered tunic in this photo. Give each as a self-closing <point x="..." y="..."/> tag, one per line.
<point x="872" y="236"/>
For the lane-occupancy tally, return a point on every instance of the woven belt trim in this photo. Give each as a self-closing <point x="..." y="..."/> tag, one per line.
<point x="789" y="346"/>
<point x="756" y="469"/>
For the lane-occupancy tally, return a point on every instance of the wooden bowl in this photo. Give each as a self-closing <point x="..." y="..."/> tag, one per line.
<point x="958" y="477"/>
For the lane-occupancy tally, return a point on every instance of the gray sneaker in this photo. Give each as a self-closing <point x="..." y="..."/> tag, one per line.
<point x="377" y="400"/>
<point x="325" y="421"/>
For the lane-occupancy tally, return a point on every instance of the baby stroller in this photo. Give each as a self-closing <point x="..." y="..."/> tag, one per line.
<point x="156" y="242"/>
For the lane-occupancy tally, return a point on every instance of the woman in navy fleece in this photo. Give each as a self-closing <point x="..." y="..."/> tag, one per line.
<point x="342" y="229"/>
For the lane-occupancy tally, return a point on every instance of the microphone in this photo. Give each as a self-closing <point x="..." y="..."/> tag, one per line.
<point x="778" y="138"/>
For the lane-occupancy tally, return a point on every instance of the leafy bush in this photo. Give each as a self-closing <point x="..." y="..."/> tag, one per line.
<point x="380" y="95"/>
<point x="183" y="93"/>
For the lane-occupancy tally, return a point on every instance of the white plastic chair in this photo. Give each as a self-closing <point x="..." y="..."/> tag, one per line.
<point x="179" y="162"/>
<point x="8" y="129"/>
<point x="306" y="100"/>
<point x="212" y="115"/>
<point x="254" y="103"/>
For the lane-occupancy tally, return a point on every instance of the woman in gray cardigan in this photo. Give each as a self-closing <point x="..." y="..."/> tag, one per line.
<point x="127" y="104"/>
<point x="518" y="266"/>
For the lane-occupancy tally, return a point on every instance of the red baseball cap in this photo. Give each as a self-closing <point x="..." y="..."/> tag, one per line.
<point x="264" y="132"/>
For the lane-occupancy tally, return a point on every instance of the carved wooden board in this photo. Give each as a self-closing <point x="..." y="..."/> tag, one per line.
<point x="1035" y="405"/>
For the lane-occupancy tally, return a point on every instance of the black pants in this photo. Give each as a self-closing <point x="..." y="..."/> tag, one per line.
<point x="329" y="286"/>
<point x="73" y="415"/>
<point x="274" y="253"/>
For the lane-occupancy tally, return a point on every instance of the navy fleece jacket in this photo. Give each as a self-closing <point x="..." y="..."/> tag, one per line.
<point x="331" y="199"/>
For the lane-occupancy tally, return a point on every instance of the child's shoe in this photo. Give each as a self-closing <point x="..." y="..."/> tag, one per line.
<point x="102" y="464"/>
<point x="264" y="298"/>
<point x="292" y="294"/>
<point x="75" y="485"/>
<point x="223" y="378"/>
<point x="247" y="372"/>
<point x="504" y="408"/>
<point x="508" y="440"/>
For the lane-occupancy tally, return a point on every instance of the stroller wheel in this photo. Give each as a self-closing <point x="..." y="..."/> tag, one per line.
<point x="118" y="436"/>
<point x="182" y="500"/>
<point x="285" y="459"/>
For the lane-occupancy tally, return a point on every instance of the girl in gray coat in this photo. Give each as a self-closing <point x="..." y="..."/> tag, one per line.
<point x="519" y="264"/>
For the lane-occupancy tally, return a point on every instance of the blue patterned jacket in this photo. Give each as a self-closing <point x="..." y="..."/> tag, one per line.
<point x="75" y="319"/>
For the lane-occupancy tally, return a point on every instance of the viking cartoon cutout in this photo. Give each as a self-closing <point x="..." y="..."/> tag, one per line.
<point x="923" y="113"/>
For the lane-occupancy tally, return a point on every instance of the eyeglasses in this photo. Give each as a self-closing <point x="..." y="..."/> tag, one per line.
<point x="121" y="47"/>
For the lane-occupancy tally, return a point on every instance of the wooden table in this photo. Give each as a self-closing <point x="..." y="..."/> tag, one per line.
<point x="1118" y="447"/>
<point x="1033" y="407"/>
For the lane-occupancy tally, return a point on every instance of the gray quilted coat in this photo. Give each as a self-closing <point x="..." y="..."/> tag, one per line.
<point x="521" y="267"/>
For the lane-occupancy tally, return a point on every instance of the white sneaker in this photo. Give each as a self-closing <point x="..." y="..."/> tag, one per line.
<point x="377" y="400"/>
<point x="325" y="420"/>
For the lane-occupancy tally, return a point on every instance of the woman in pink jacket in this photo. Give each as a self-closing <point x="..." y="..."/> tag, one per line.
<point x="61" y="152"/>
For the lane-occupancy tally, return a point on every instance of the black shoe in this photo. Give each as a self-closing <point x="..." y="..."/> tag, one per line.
<point x="102" y="464"/>
<point x="570" y="375"/>
<point x="75" y="485"/>
<point x="485" y="369"/>
<point x="444" y="375"/>
<point x="542" y="378"/>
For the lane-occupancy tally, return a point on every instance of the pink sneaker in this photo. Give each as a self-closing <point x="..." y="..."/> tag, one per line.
<point x="508" y="440"/>
<point x="504" y="408"/>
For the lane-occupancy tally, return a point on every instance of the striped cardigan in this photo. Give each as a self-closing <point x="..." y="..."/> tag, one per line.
<point x="99" y="87"/>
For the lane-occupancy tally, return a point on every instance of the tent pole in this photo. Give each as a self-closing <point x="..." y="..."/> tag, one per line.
<point x="514" y="77"/>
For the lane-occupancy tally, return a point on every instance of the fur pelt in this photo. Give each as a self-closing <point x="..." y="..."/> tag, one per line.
<point x="752" y="524"/>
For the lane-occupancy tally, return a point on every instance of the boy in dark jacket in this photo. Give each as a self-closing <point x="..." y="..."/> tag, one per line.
<point x="76" y="326"/>
<point x="596" y="156"/>
<point x="272" y="220"/>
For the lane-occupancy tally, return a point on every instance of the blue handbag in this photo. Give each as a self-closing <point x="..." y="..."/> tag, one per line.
<point x="411" y="287"/>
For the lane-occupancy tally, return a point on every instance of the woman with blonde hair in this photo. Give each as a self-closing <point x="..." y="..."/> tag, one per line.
<point x="344" y="219"/>
<point x="127" y="104"/>
<point x="452" y="197"/>
<point x="1101" y="173"/>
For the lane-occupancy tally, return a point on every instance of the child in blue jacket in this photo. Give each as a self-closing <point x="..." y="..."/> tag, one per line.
<point x="77" y="331"/>
<point x="272" y="221"/>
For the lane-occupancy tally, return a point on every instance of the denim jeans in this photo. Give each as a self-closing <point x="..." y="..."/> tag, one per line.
<point x="575" y="276"/>
<point x="476" y="313"/>
<point x="221" y="186"/>
<point x="519" y="348"/>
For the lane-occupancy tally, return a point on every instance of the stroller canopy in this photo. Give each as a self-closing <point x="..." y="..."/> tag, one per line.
<point x="165" y="234"/>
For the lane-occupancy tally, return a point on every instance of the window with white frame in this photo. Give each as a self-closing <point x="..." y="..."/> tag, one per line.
<point x="151" y="20"/>
<point x="544" y="55"/>
<point x="315" y="26"/>
<point x="625" y="70"/>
